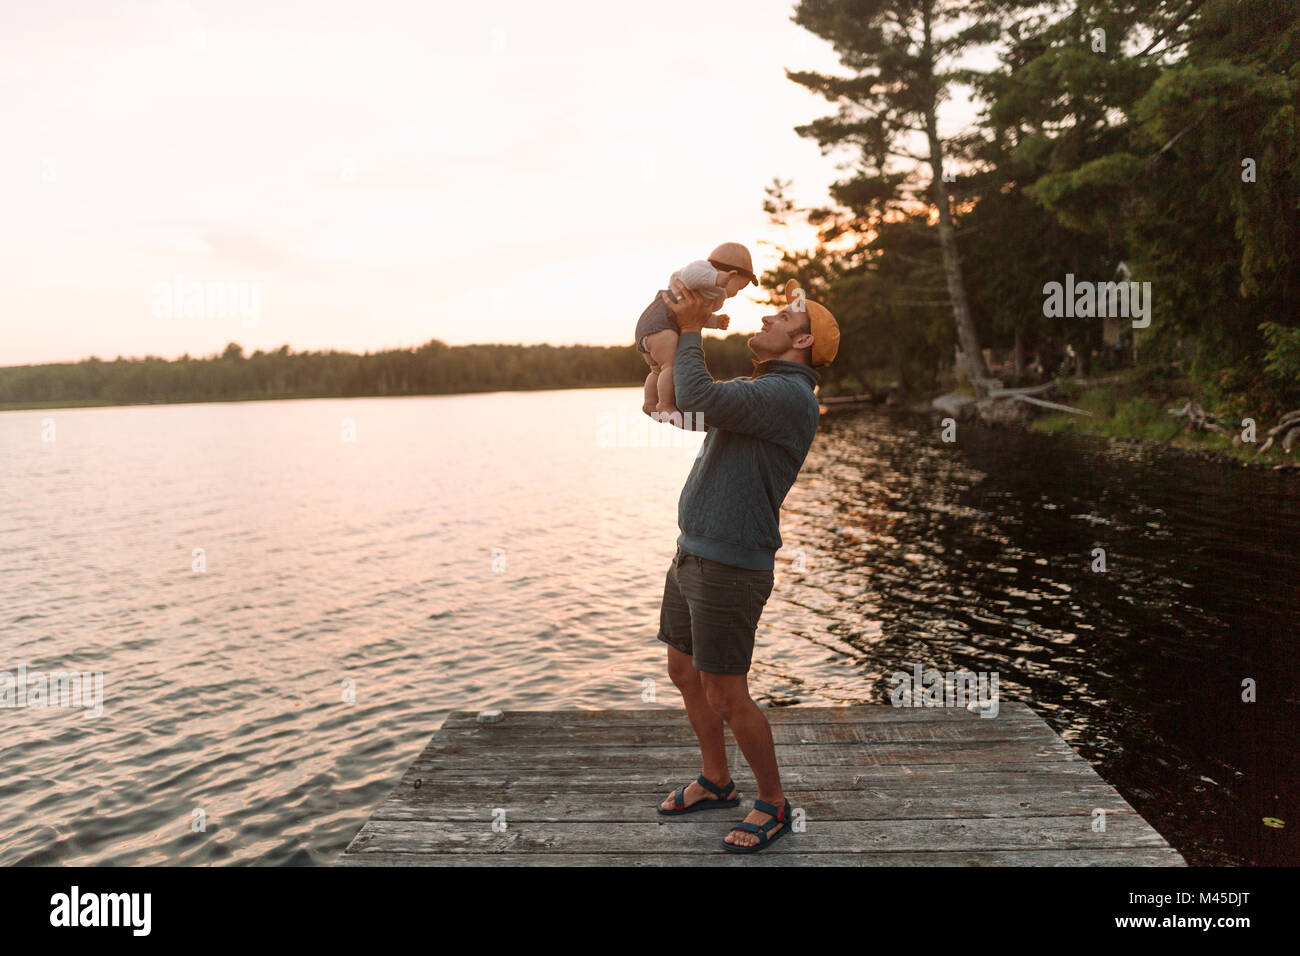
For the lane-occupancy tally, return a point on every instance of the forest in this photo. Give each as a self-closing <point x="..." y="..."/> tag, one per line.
<point x="432" y="369"/>
<point x="1142" y="142"/>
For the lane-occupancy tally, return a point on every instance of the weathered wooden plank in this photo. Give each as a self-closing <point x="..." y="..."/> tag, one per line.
<point x="533" y="790"/>
<point x="678" y="733"/>
<point x="451" y="757"/>
<point x="689" y="835"/>
<point x="844" y="805"/>
<point x="1121" y="856"/>
<point x="1009" y="711"/>
<point x="667" y="777"/>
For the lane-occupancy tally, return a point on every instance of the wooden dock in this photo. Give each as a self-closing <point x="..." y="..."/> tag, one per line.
<point x="878" y="786"/>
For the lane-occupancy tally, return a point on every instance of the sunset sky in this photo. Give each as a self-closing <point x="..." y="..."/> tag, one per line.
<point x="384" y="173"/>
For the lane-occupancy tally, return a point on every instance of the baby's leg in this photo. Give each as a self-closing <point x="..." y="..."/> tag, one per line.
<point x="663" y="347"/>
<point x="667" y="394"/>
<point x="651" y="391"/>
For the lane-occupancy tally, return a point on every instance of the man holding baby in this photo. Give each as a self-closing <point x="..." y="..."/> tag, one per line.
<point x="759" y="430"/>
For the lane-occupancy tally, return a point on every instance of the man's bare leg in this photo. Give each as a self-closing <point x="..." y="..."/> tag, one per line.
<point x="728" y="697"/>
<point x="708" y="728"/>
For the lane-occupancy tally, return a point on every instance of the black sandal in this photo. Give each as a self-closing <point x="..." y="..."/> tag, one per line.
<point x="762" y="830"/>
<point x="679" y="798"/>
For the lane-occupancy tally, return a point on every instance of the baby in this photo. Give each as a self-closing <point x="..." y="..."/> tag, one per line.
<point x="727" y="270"/>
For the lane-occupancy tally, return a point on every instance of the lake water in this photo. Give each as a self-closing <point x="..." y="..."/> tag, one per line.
<point x="369" y="565"/>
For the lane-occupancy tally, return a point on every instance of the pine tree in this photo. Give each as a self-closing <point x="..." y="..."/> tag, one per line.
<point x="900" y="54"/>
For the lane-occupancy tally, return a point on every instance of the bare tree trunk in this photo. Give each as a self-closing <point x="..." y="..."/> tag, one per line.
<point x="976" y="370"/>
<point x="1078" y="332"/>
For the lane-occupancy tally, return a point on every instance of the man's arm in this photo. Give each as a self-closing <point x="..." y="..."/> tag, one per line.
<point x="690" y="422"/>
<point x="749" y="406"/>
<point x="752" y="407"/>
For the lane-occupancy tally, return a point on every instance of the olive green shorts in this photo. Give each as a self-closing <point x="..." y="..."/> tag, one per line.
<point x="710" y="611"/>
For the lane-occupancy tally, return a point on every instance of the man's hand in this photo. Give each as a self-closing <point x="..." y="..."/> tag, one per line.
<point x="691" y="310"/>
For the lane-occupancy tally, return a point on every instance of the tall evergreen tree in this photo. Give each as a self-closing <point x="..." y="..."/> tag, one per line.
<point x="902" y="57"/>
<point x="1201" y="185"/>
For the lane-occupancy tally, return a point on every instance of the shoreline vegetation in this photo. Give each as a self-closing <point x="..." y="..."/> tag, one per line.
<point x="486" y="390"/>
<point x="1128" y="407"/>
<point x="1122" y="411"/>
<point x="1131" y="405"/>
<point x="434" y="368"/>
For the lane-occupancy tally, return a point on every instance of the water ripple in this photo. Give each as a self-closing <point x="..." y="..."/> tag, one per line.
<point x="459" y="556"/>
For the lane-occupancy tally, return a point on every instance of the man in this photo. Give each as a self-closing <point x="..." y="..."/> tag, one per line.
<point x="759" y="431"/>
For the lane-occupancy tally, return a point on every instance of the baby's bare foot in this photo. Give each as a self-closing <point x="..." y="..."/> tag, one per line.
<point x="671" y="416"/>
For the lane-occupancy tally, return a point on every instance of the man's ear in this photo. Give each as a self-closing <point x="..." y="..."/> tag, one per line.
<point x="804" y="340"/>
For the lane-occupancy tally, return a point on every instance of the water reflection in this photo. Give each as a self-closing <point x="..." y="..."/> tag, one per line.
<point x="980" y="556"/>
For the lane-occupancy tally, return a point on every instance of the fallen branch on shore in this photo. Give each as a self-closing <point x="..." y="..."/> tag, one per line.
<point x="1197" y="419"/>
<point x="1288" y="428"/>
<point x="1090" y="382"/>
<point x="1030" y="390"/>
<point x="1054" y="405"/>
<point x="952" y="404"/>
<point x="850" y="399"/>
<point x="1001" y="406"/>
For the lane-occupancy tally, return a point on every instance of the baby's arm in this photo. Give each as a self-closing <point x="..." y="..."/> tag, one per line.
<point x="704" y="278"/>
<point x="680" y="280"/>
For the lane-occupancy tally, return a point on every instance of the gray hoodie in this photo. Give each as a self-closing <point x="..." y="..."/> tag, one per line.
<point x="759" y="432"/>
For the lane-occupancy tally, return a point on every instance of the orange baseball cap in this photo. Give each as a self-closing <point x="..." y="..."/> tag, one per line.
<point x="825" y="330"/>
<point x="733" y="257"/>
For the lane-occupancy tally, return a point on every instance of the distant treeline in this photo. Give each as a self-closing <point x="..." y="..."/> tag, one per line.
<point x="432" y="369"/>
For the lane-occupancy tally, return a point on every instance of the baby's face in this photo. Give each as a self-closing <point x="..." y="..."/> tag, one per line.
<point x="735" y="284"/>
